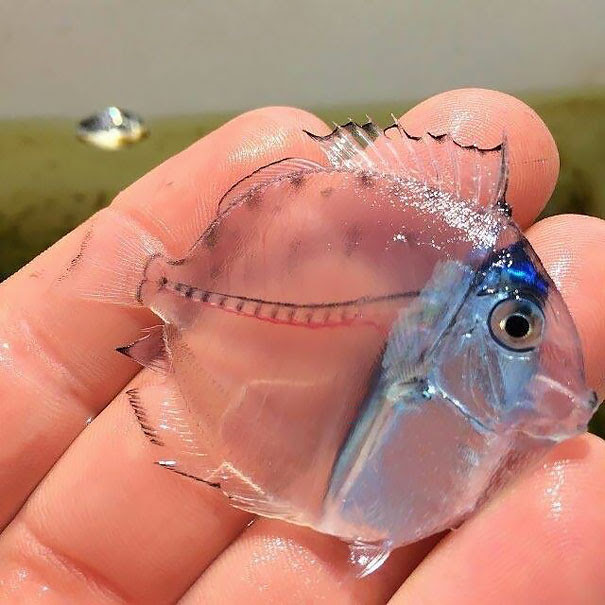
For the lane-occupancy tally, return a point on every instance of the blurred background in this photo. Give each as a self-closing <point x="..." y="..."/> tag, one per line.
<point x="186" y="66"/>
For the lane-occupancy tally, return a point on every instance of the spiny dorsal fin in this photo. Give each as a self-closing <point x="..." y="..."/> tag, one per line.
<point x="470" y="172"/>
<point x="350" y="145"/>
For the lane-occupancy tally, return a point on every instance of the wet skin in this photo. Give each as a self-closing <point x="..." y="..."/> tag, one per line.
<point x="95" y="520"/>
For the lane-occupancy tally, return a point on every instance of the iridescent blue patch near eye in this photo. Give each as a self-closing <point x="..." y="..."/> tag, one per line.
<point x="513" y="269"/>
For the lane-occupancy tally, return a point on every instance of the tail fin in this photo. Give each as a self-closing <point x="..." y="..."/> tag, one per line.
<point x="112" y="263"/>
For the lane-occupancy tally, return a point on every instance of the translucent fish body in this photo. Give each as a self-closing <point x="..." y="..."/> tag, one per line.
<point x="369" y="348"/>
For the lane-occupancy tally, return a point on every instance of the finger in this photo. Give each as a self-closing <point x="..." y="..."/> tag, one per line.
<point x="472" y="116"/>
<point x="107" y="520"/>
<point x="277" y="562"/>
<point x="58" y="365"/>
<point x="481" y="117"/>
<point x="541" y="540"/>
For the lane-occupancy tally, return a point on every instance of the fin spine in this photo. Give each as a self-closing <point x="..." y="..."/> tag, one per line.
<point x="170" y="465"/>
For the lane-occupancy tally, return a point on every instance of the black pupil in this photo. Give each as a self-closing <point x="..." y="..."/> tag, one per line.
<point x="517" y="326"/>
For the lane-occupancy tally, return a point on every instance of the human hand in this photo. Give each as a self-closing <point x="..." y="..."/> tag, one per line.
<point x="101" y="523"/>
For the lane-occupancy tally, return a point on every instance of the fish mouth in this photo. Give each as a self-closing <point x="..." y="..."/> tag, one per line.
<point x="564" y="412"/>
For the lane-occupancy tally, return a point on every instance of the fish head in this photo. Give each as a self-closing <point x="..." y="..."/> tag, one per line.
<point x="511" y="359"/>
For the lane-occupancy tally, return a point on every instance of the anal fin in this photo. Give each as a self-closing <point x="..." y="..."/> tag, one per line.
<point x="168" y="423"/>
<point x="134" y="398"/>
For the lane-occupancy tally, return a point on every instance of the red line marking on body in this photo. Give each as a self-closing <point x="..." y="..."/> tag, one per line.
<point x="306" y="323"/>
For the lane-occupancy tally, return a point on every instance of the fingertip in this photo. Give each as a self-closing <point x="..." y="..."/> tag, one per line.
<point x="537" y="541"/>
<point x="183" y="192"/>
<point x="481" y="117"/>
<point x="275" y="130"/>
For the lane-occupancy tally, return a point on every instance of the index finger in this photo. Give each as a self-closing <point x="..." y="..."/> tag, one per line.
<point x="58" y="365"/>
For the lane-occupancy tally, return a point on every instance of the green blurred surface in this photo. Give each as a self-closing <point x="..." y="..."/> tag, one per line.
<point x="50" y="182"/>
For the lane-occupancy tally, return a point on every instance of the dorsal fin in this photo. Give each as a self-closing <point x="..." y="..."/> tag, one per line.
<point x="479" y="175"/>
<point x="271" y="173"/>
<point x="351" y="145"/>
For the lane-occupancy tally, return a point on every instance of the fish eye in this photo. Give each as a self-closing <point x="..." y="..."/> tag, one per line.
<point x="517" y="323"/>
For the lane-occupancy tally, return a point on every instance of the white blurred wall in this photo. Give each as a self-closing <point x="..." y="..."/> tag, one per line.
<point x="69" y="57"/>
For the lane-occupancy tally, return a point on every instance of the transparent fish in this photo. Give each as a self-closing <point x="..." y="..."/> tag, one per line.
<point x="368" y="347"/>
<point x="112" y="129"/>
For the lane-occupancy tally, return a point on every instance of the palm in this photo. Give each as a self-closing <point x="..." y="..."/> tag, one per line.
<point x="106" y="525"/>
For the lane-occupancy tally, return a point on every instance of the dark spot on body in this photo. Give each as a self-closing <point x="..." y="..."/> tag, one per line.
<point x="327" y="192"/>
<point x="366" y="179"/>
<point x="211" y="235"/>
<point x="352" y="239"/>
<point x="253" y="199"/>
<point x="297" y="180"/>
<point x="215" y="271"/>
<point x="293" y="254"/>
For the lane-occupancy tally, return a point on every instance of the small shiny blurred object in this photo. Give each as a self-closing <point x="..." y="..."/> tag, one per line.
<point x="112" y="129"/>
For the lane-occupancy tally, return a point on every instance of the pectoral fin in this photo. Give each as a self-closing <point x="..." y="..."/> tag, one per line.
<point x="149" y="350"/>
